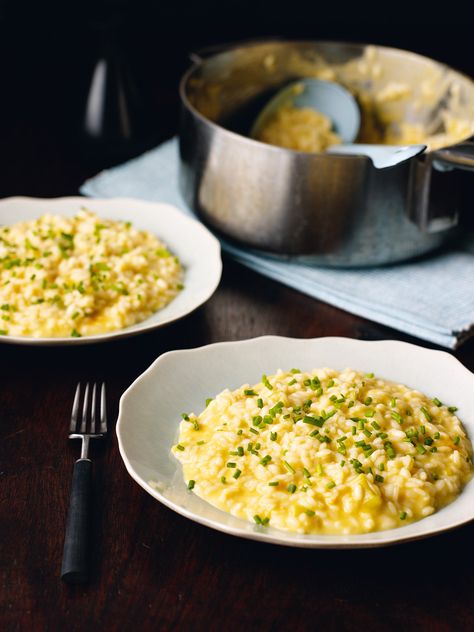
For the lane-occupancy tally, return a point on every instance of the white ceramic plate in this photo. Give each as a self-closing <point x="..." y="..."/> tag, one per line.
<point x="197" y="248"/>
<point x="150" y="411"/>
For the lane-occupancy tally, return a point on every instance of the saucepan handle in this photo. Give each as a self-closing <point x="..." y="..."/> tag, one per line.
<point x="423" y="210"/>
<point x="459" y="156"/>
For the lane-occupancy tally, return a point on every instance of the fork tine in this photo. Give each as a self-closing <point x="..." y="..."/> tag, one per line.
<point x="75" y="408"/>
<point x="103" y="411"/>
<point x="93" y="407"/>
<point x="84" y="409"/>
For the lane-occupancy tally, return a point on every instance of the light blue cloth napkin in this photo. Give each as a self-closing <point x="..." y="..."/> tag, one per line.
<point x="432" y="299"/>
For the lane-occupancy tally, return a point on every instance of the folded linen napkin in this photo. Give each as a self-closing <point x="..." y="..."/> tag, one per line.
<point x="432" y="298"/>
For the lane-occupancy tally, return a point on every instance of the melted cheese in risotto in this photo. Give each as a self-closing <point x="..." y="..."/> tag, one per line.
<point x="82" y="275"/>
<point x="325" y="452"/>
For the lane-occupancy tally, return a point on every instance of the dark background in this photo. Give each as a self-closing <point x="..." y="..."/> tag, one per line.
<point x="48" y="50"/>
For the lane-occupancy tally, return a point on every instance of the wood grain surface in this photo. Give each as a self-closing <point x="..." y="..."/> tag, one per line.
<point x="153" y="569"/>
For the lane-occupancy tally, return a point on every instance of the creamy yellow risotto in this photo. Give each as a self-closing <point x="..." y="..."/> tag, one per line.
<point x="82" y="275"/>
<point x="302" y="129"/>
<point x="325" y="452"/>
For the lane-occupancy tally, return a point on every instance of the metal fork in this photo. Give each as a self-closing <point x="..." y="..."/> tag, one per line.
<point x="92" y="424"/>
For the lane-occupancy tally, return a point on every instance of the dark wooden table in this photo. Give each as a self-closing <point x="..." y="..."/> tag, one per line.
<point x="155" y="570"/>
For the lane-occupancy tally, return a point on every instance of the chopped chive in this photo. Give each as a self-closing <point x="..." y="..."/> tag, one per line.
<point x="452" y="409"/>
<point x="273" y="436"/>
<point x="293" y="381"/>
<point x="367" y="432"/>
<point x="369" y="413"/>
<point x="428" y="441"/>
<point x="420" y="448"/>
<point x="422" y="430"/>
<point x="351" y="403"/>
<point x="257" y="420"/>
<point x="254" y="431"/>
<point x="240" y="451"/>
<point x="382" y="435"/>
<point x="425" y="413"/>
<point x="257" y="519"/>
<point x="330" y="485"/>
<point x="436" y="435"/>
<point x="185" y="416"/>
<point x="313" y="421"/>
<point x="393" y="402"/>
<point x="319" y="469"/>
<point x="342" y="463"/>
<point x="434" y="449"/>
<point x="266" y="460"/>
<point x="329" y="414"/>
<point x="291" y="488"/>
<point x="309" y="512"/>
<point x="191" y="484"/>
<point x="237" y="473"/>
<point x="240" y="431"/>
<point x="223" y="481"/>
<point x="368" y="401"/>
<point x="273" y="484"/>
<point x="369" y="375"/>
<point x="397" y="417"/>
<point x="437" y="402"/>
<point x="456" y="440"/>
<point x="75" y="334"/>
<point x="249" y="392"/>
<point x="266" y="383"/>
<point x="306" y="473"/>
<point x="403" y="515"/>
<point x="295" y="371"/>
<point x="353" y="430"/>
<point x="381" y="467"/>
<point x="257" y="446"/>
<point x="330" y="383"/>
<point x="289" y="467"/>
<point x="208" y="401"/>
<point x="180" y="447"/>
<point x="375" y="425"/>
<point x="378" y="478"/>
<point x="200" y="443"/>
<point x="260" y="402"/>
<point x="231" y="464"/>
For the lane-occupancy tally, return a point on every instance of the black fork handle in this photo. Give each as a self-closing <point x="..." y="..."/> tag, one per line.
<point x="75" y="566"/>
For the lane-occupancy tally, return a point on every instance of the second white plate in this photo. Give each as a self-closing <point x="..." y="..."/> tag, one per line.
<point x="197" y="248"/>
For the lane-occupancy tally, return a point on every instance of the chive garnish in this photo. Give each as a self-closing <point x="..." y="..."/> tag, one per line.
<point x="240" y="451"/>
<point x="306" y="473"/>
<point x="289" y="467"/>
<point x="249" y="392"/>
<point x="237" y="473"/>
<point x="266" y="383"/>
<point x="191" y="484"/>
<point x="437" y="402"/>
<point x="436" y="435"/>
<point x="266" y="460"/>
<point x="200" y="443"/>
<point x="75" y="334"/>
<point x="208" y="401"/>
<point x="309" y="512"/>
<point x="403" y="515"/>
<point x="369" y="375"/>
<point x="313" y="421"/>
<point x="293" y="381"/>
<point x="425" y="413"/>
<point x="456" y="440"/>
<point x="273" y="436"/>
<point x="231" y="464"/>
<point x="254" y="431"/>
<point x="368" y="401"/>
<point x="397" y="417"/>
<point x="180" y="447"/>
<point x="240" y="432"/>
<point x="420" y="448"/>
<point x="381" y="467"/>
<point x="291" y="488"/>
<point x="260" y="402"/>
<point x="330" y="383"/>
<point x="378" y="478"/>
<point x="393" y="402"/>
<point x="273" y="484"/>
<point x="330" y="485"/>
<point x="295" y="371"/>
<point x="223" y="481"/>
<point x="452" y="409"/>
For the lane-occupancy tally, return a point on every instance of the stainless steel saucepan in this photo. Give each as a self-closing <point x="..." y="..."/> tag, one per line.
<point x="343" y="210"/>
